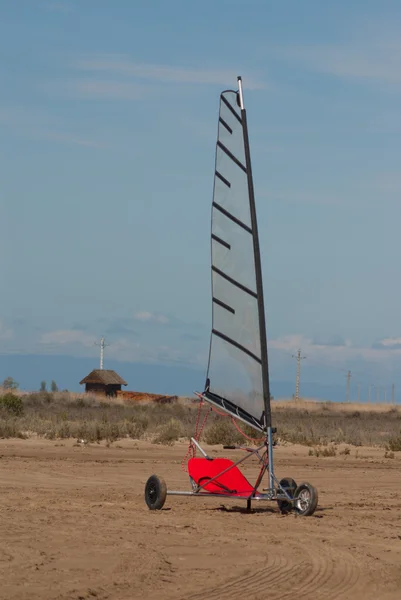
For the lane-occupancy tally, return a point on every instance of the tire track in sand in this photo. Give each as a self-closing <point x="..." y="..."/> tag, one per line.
<point x="328" y="575"/>
<point x="275" y="570"/>
<point x="320" y="572"/>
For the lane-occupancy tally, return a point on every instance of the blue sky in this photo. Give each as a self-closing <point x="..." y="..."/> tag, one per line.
<point x="108" y="115"/>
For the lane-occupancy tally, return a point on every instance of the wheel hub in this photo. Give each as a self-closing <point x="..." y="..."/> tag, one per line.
<point x="303" y="500"/>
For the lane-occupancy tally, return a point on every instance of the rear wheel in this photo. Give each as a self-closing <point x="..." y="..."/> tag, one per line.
<point x="306" y="498"/>
<point x="155" y="492"/>
<point x="289" y="486"/>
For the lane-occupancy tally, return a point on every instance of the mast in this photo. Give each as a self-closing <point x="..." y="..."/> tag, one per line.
<point x="258" y="265"/>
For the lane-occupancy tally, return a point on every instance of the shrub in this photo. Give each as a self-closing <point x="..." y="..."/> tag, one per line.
<point x="12" y="404"/>
<point x="223" y="432"/>
<point x="10" y="384"/>
<point x="394" y="443"/>
<point x="64" y="430"/>
<point x="10" y="429"/>
<point x="168" y="433"/>
<point x="136" y="429"/>
<point x="80" y="402"/>
<point x="113" y="432"/>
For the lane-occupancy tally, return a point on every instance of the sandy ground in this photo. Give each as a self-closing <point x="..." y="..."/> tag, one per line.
<point x="74" y="525"/>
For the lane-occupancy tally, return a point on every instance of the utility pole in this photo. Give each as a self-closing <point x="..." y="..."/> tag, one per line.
<point x="102" y="347"/>
<point x="385" y="395"/>
<point x="299" y="358"/>
<point x="378" y="394"/>
<point x="348" y="385"/>
<point x="393" y="394"/>
<point x="370" y="396"/>
<point x="359" y="392"/>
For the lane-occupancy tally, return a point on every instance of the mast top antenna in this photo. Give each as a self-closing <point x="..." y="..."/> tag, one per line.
<point x="240" y="93"/>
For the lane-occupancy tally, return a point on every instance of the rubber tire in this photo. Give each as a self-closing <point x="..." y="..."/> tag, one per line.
<point x="155" y="492"/>
<point x="284" y="506"/>
<point x="310" y="509"/>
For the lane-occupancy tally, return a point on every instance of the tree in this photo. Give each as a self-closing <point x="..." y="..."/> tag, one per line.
<point x="10" y="384"/>
<point x="43" y="386"/>
<point x="54" y="387"/>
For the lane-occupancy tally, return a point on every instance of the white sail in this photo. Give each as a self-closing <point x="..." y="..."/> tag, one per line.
<point x="237" y="378"/>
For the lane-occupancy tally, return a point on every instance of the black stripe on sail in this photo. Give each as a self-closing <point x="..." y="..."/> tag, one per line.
<point x="216" y="238"/>
<point x="236" y="115"/>
<point x="223" y="305"/>
<point x="230" y="216"/>
<point x="226" y="125"/>
<point x="237" y="345"/>
<point x="223" y="179"/>
<point x="234" y="282"/>
<point x="231" y="155"/>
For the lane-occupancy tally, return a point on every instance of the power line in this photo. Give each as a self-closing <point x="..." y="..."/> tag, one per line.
<point x="361" y="376"/>
<point x="348" y="385"/>
<point x="299" y="358"/>
<point x="102" y="347"/>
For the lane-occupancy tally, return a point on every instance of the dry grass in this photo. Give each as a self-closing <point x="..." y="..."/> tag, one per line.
<point x="325" y="451"/>
<point x="394" y="443"/>
<point x="321" y="426"/>
<point x="315" y="424"/>
<point x="168" y="433"/>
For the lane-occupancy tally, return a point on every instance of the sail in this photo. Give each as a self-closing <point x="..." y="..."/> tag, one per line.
<point x="237" y="377"/>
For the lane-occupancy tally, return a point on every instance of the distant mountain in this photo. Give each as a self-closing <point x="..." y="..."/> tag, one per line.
<point x="29" y="370"/>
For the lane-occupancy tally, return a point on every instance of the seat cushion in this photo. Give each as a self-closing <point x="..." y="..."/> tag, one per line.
<point x="232" y="483"/>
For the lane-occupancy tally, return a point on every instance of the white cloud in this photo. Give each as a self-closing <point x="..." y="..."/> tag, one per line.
<point x="338" y="354"/>
<point x="67" y="336"/>
<point x="369" y="60"/>
<point x="389" y="343"/>
<point x="387" y="183"/>
<point x="322" y="199"/>
<point x="22" y="118"/>
<point x="148" y="316"/>
<point x="80" y="343"/>
<point x="110" y="90"/>
<point x="57" y="7"/>
<point x="126" y="350"/>
<point x="122" y="65"/>
<point x="69" y="138"/>
<point x="6" y="333"/>
<point x="43" y="127"/>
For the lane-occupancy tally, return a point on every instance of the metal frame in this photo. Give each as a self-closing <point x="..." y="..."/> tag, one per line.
<point x="273" y="492"/>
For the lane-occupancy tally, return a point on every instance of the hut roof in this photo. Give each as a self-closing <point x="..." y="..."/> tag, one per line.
<point x="103" y="376"/>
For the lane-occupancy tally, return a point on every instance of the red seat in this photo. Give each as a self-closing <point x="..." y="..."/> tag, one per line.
<point x="232" y="483"/>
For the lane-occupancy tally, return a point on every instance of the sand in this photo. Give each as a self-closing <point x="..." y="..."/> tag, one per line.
<point x="74" y="525"/>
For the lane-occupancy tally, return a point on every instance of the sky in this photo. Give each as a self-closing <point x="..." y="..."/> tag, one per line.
<point x="108" y="122"/>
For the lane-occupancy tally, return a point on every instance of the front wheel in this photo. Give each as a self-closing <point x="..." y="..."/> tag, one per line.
<point x="306" y="498"/>
<point x="155" y="492"/>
